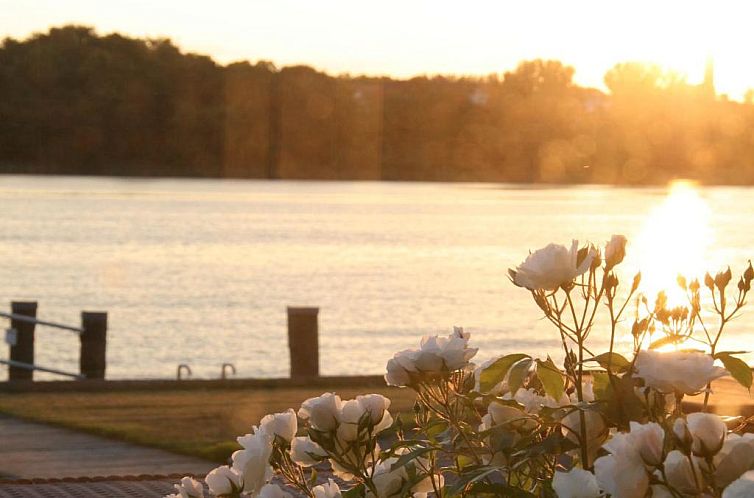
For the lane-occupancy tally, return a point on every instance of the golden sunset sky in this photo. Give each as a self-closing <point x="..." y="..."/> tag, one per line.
<point x="405" y="38"/>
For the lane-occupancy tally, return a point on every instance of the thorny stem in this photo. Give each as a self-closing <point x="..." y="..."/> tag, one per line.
<point x="293" y="473"/>
<point x="571" y="375"/>
<point x="697" y="481"/>
<point x="713" y="345"/>
<point x="579" y="389"/>
<point x="447" y="415"/>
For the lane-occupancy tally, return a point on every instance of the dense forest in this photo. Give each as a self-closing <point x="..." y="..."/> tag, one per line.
<point x="74" y="102"/>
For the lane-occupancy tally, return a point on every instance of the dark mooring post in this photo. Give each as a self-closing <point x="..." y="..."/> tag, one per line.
<point x="93" y="359"/>
<point x="303" y="341"/>
<point x="23" y="350"/>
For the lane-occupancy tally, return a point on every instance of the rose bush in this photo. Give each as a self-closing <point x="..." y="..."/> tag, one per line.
<point x="523" y="426"/>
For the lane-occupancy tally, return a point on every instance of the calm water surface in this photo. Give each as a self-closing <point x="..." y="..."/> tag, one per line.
<point x="201" y="271"/>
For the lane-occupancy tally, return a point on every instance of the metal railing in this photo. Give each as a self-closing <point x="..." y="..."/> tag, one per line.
<point x="92" y="335"/>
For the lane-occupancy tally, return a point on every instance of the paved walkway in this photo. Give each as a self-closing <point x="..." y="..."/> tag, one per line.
<point x="113" y="488"/>
<point x="30" y="450"/>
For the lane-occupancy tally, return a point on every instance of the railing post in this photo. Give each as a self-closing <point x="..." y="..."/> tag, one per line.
<point x="23" y="350"/>
<point x="93" y="360"/>
<point x="303" y="341"/>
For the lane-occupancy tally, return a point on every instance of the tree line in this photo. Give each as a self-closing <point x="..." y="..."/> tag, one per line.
<point x="74" y="102"/>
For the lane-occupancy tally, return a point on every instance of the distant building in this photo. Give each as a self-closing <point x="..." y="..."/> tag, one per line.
<point x="708" y="85"/>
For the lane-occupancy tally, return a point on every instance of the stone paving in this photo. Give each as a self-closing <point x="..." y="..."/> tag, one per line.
<point x="29" y="450"/>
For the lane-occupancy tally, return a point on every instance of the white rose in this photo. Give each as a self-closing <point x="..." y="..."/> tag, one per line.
<point x="253" y="438"/>
<point x="649" y="440"/>
<point x="677" y="371"/>
<point x="322" y="412"/>
<point x="189" y="488"/>
<point x="622" y="474"/>
<point x="389" y="482"/>
<point x="451" y="353"/>
<point x="630" y="452"/>
<point x="396" y="375"/>
<point x="576" y="483"/>
<point x="708" y="433"/>
<point x="253" y="462"/>
<point x="273" y="491"/>
<point x="511" y="417"/>
<point x="533" y="402"/>
<point x="427" y="359"/>
<point x="376" y="405"/>
<point x="283" y="424"/>
<point x="735" y="458"/>
<point x="435" y="356"/>
<point x="587" y="392"/>
<point x="621" y="477"/>
<point x="223" y="481"/>
<point x="615" y="251"/>
<point x="328" y="490"/>
<point x="551" y="267"/>
<point x="742" y="487"/>
<point x="455" y="350"/>
<point x="304" y="451"/>
<point x="408" y="358"/>
<point x="681" y="476"/>
<point x="596" y="430"/>
<point x="353" y="410"/>
<point x="681" y="432"/>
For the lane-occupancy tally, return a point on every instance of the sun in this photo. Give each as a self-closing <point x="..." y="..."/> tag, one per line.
<point x="675" y="240"/>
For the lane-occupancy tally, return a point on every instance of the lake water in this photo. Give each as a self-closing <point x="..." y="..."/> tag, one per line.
<point x="201" y="271"/>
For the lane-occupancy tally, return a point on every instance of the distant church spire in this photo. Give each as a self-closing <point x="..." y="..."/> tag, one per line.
<point x="708" y="86"/>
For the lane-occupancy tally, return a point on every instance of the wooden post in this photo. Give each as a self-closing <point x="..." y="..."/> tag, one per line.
<point x="303" y="341"/>
<point x="93" y="360"/>
<point x="23" y="350"/>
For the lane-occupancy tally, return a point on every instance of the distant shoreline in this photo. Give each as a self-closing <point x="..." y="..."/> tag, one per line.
<point x="515" y="185"/>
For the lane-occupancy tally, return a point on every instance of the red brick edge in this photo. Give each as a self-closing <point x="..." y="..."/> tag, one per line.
<point x="141" y="477"/>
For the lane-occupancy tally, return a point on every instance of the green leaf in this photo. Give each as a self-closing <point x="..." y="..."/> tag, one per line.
<point x="730" y="353"/>
<point x="464" y="461"/>
<point x="354" y="492"/>
<point x="601" y="385"/>
<point x="436" y="428"/>
<point x="623" y="405"/>
<point x="737" y="368"/>
<point x="617" y="363"/>
<point x="519" y="372"/>
<point x="313" y="477"/>
<point x="412" y="455"/>
<point x="554" y="444"/>
<point x="472" y="475"/>
<point x="551" y="378"/>
<point x="495" y="373"/>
